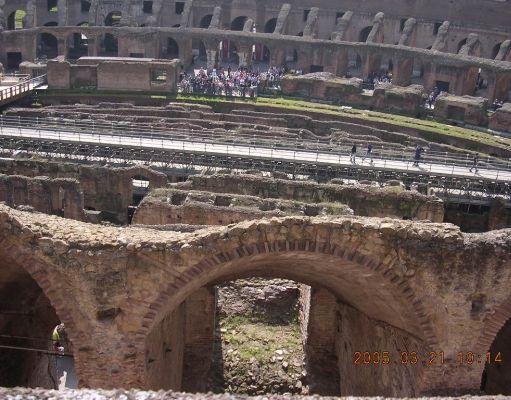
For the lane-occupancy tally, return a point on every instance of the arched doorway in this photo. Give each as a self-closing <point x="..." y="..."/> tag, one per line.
<point x="109" y="46"/>
<point x="228" y="53"/>
<point x="79" y="46"/>
<point x="460" y="45"/>
<point x="205" y="21"/>
<point x="199" y="52"/>
<point x="352" y="291"/>
<point x="47" y="46"/>
<point x="30" y="357"/>
<point x="238" y="23"/>
<point x="270" y="25"/>
<point x="113" y="18"/>
<point x="171" y="49"/>
<point x="16" y="20"/>
<point x="364" y="34"/>
<point x="495" y="50"/>
<point x="261" y="54"/>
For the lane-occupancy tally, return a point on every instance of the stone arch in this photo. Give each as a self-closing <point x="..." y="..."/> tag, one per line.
<point x="460" y="45"/>
<point x="83" y="23"/>
<point x="20" y="255"/>
<point x="495" y="326"/>
<point x="47" y="45"/>
<point x="16" y="19"/>
<point x="495" y="50"/>
<point x="199" y="50"/>
<point x="321" y="259"/>
<point x="109" y="45"/>
<point x="78" y="45"/>
<point x="364" y="34"/>
<point x="269" y="26"/>
<point x="228" y="52"/>
<point x="205" y="21"/>
<point x="113" y="18"/>
<point x="171" y="48"/>
<point x="51" y="23"/>
<point x="238" y="23"/>
<point x="261" y="53"/>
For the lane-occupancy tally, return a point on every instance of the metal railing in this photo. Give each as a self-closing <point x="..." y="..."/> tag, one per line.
<point x="21" y="88"/>
<point x="65" y="129"/>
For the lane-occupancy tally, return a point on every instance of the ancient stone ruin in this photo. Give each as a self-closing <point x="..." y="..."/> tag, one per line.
<point x="255" y="198"/>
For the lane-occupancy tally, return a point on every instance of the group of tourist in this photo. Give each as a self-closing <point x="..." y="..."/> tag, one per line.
<point x="497" y="104"/>
<point x="382" y="76"/>
<point x="430" y="101"/>
<point x="242" y="82"/>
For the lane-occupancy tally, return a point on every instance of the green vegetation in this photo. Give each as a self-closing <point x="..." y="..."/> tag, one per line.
<point x="260" y="340"/>
<point x="260" y="358"/>
<point x="427" y="126"/>
<point x="19" y="15"/>
<point x="429" y="129"/>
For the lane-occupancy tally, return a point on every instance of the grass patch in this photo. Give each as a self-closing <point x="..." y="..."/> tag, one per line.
<point x="253" y="339"/>
<point x="433" y="127"/>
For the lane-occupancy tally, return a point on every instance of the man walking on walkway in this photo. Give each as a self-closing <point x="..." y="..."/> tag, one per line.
<point x="353" y="154"/>
<point x="475" y="161"/>
<point x="417" y="155"/>
<point x="368" y="153"/>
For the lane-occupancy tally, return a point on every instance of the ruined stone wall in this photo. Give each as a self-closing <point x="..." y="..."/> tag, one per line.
<point x="109" y="190"/>
<point x="363" y="200"/>
<point x="172" y="206"/>
<point x="121" y="282"/>
<point x="58" y="196"/>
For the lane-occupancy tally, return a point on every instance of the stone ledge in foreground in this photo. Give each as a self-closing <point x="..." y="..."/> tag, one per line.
<point x="121" y="394"/>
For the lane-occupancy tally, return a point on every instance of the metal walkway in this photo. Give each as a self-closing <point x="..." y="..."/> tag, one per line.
<point x="128" y="144"/>
<point x="20" y="90"/>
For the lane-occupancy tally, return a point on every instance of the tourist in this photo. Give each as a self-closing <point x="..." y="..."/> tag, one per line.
<point x="475" y="161"/>
<point x="417" y="155"/>
<point x="369" y="153"/>
<point x="241" y="82"/>
<point x="353" y="154"/>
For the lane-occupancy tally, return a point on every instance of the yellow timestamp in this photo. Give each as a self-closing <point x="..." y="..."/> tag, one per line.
<point x="431" y="358"/>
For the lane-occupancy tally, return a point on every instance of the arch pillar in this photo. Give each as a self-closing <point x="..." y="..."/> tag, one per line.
<point x="211" y="55"/>
<point x="371" y="63"/>
<point x="245" y="55"/>
<point x="277" y="56"/>
<point x="93" y="45"/>
<point x="61" y="46"/>
<point x="403" y="70"/>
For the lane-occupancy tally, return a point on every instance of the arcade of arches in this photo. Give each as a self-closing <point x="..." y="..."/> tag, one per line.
<point x="377" y="285"/>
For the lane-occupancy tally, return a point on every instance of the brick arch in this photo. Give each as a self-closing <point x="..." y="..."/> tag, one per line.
<point x="235" y="260"/>
<point x="492" y="325"/>
<point x="38" y="269"/>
